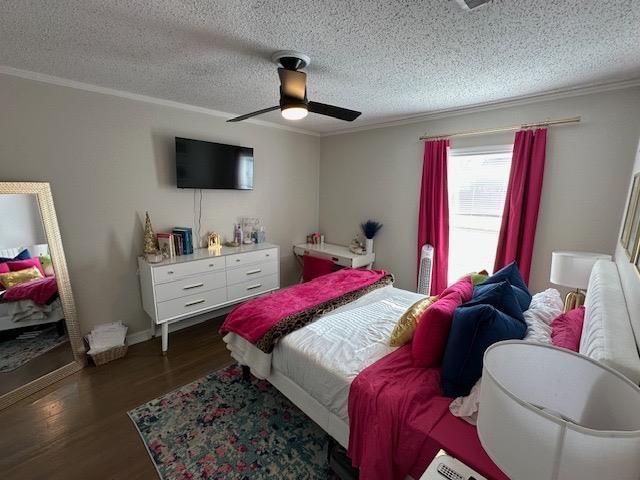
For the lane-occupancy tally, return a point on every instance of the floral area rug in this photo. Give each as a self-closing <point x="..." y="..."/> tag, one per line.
<point x="224" y="427"/>
<point x="16" y="352"/>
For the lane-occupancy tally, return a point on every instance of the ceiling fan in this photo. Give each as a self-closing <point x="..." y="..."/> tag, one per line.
<point x="293" y="92"/>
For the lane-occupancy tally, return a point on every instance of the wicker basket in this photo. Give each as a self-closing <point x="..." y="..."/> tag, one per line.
<point x="109" y="355"/>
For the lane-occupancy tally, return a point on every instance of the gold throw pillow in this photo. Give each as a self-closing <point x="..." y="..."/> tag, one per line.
<point x="403" y="331"/>
<point x="21" y="276"/>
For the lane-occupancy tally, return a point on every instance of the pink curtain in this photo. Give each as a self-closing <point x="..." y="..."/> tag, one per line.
<point x="433" y="218"/>
<point x="520" y="216"/>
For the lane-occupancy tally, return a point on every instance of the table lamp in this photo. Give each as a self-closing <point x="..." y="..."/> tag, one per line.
<point x="572" y="269"/>
<point x="547" y="413"/>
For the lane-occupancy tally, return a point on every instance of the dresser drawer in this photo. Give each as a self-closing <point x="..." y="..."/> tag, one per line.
<point x="169" y="273"/>
<point x="251" y="272"/>
<point x="191" y="304"/>
<point x="252" y="287"/>
<point x="251" y="257"/>
<point x="190" y="286"/>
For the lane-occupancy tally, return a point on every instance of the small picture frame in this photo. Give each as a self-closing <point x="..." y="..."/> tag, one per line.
<point x="630" y="236"/>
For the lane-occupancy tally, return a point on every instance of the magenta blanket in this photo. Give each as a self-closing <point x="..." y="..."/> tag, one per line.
<point x="266" y="319"/>
<point x="393" y="406"/>
<point x="41" y="291"/>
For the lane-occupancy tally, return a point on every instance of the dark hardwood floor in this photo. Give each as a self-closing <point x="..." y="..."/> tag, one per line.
<point x="78" y="428"/>
<point x="41" y="365"/>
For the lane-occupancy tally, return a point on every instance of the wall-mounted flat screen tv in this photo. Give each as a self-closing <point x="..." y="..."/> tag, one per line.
<point x="202" y="164"/>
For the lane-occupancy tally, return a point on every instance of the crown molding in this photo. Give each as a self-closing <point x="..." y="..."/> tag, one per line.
<point x="64" y="82"/>
<point x="398" y="121"/>
<point x="487" y="106"/>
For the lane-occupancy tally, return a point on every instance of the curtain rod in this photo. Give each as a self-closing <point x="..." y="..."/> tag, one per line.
<point x="513" y="128"/>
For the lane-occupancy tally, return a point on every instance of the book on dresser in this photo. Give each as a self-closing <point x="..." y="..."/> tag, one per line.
<point x="166" y="245"/>
<point x="194" y="284"/>
<point x="186" y="235"/>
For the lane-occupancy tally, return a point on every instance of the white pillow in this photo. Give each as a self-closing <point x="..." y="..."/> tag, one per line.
<point x="545" y="307"/>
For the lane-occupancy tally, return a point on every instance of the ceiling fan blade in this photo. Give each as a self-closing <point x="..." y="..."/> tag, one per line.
<point x="332" y="111"/>
<point x="294" y="83"/>
<point x="253" y="114"/>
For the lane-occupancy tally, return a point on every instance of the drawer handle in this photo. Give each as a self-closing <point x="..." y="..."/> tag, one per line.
<point x="212" y="265"/>
<point x="253" y="287"/>
<point x="195" y="285"/>
<point x="237" y="259"/>
<point x="195" y="302"/>
<point x="252" y="272"/>
<point x="170" y="272"/>
<point x="335" y="259"/>
<point x="267" y="255"/>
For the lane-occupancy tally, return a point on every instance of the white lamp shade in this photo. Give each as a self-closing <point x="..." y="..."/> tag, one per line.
<point x="572" y="269"/>
<point x="527" y="396"/>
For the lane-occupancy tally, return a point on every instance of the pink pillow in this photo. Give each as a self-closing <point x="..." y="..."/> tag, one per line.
<point x="464" y="287"/>
<point x="16" y="265"/>
<point x="4" y="268"/>
<point x="566" y="329"/>
<point x="432" y="332"/>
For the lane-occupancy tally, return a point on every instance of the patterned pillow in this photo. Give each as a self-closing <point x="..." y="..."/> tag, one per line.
<point x="21" y="276"/>
<point x="406" y="326"/>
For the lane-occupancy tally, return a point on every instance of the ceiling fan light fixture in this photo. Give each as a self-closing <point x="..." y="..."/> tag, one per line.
<point x="294" y="104"/>
<point x="295" y="112"/>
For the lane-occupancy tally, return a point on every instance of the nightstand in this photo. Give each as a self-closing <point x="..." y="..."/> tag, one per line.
<point x="464" y="472"/>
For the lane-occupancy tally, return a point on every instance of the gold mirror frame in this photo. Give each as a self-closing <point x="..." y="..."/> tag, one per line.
<point x="52" y="232"/>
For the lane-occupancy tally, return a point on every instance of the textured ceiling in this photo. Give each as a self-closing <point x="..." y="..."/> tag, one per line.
<point x="387" y="58"/>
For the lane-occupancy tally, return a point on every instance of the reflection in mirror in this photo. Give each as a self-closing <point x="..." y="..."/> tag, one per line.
<point x="33" y="335"/>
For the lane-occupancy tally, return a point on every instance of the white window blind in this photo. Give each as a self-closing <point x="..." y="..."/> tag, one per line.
<point x="477" y="184"/>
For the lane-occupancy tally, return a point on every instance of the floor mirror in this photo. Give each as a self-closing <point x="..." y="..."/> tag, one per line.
<point x="40" y="340"/>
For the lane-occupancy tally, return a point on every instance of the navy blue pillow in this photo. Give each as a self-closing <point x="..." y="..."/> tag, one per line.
<point x="23" y="255"/>
<point x="474" y="329"/>
<point x="512" y="275"/>
<point x="500" y="295"/>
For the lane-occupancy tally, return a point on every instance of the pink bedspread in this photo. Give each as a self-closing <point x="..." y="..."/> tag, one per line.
<point x="460" y="440"/>
<point x="392" y="409"/>
<point x="266" y="319"/>
<point x="41" y="291"/>
<point x="399" y="420"/>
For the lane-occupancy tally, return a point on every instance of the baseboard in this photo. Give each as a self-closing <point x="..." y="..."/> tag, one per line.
<point x="148" y="334"/>
<point x="139" y="337"/>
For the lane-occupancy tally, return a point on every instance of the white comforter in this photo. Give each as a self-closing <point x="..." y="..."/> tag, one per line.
<point x="324" y="357"/>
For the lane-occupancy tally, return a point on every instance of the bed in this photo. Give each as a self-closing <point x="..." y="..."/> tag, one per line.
<point x="315" y="365"/>
<point x="27" y="313"/>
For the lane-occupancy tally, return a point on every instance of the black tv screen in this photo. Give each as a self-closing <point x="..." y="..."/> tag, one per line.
<point x="213" y="165"/>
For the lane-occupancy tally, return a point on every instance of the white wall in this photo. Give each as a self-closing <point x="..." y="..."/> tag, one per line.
<point x="21" y="221"/>
<point x="376" y="173"/>
<point x="109" y="159"/>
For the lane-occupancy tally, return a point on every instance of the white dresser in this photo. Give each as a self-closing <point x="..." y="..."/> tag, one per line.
<point x="190" y="285"/>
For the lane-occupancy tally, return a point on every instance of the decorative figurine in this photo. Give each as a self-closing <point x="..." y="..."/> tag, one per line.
<point x="214" y="242"/>
<point x="150" y="243"/>
<point x="357" y="247"/>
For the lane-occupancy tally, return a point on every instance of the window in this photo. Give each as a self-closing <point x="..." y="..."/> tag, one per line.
<point x="477" y="184"/>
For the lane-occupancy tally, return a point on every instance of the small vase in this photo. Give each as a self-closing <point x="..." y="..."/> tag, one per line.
<point x="369" y="245"/>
